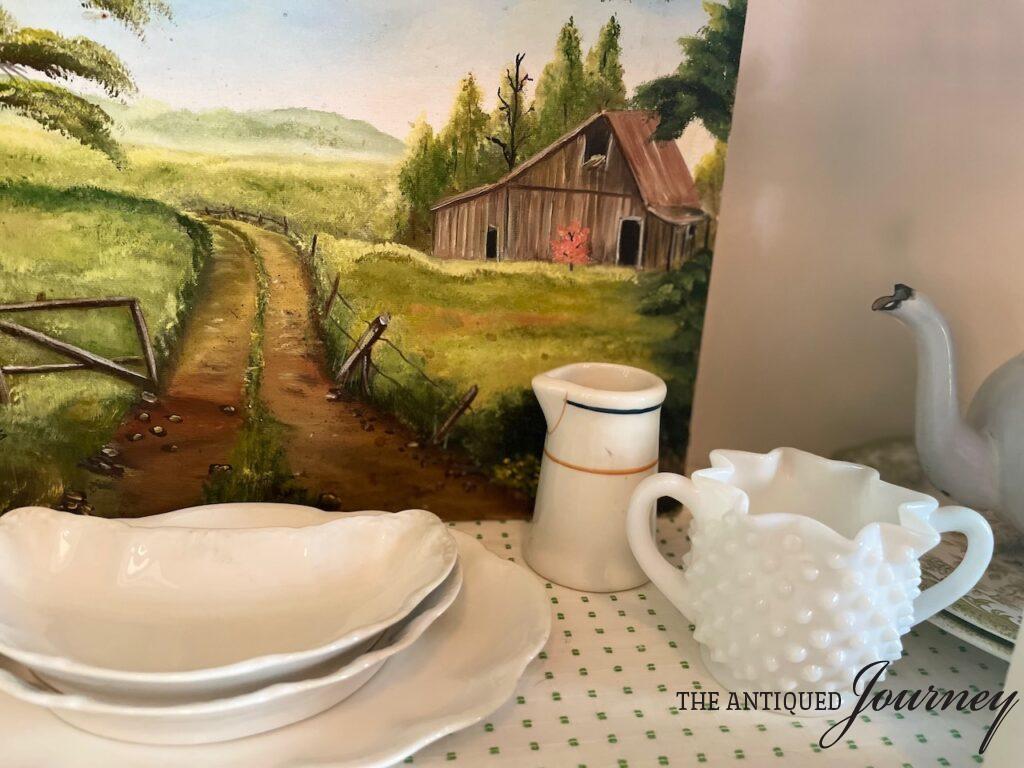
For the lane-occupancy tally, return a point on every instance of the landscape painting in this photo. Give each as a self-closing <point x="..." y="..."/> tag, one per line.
<point x="315" y="252"/>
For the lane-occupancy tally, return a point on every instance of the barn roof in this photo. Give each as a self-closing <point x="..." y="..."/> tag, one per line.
<point x="658" y="166"/>
<point x="661" y="174"/>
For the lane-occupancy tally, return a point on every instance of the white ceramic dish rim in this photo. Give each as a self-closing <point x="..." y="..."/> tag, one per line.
<point x="45" y="662"/>
<point x="32" y="694"/>
<point x="474" y="715"/>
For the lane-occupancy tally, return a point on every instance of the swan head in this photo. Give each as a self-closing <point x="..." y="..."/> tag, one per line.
<point x="893" y="302"/>
<point x="912" y="308"/>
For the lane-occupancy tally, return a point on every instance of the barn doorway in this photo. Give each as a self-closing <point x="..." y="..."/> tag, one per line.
<point x="492" y="244"/>
<point x="629" y="242"/>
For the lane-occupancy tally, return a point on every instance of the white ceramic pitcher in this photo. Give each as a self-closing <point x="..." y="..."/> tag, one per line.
<point x="801" y="570"/>
<point x="603" y="423"/>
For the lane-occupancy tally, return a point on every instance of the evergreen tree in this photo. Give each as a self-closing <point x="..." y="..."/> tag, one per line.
<point x="424" y="177"/>
<point x="561" y="100"/>
<point x="465" y="136"/>
<point x="603" y="70"/>
<point x="704" y="85"/>
<point x="54" y="57"/>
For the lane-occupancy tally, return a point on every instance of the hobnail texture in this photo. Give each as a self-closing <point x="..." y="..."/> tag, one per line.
<point x="780" y="612"/>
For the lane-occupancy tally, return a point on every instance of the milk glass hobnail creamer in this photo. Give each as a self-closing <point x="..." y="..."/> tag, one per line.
<point x="801" y="570"/>
<point x="603" y="423"/>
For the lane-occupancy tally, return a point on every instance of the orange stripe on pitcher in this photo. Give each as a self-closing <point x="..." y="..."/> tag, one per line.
<point x="589" y="470"/>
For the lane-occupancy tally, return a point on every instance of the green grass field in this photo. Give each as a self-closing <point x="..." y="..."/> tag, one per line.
<point x="493" y="325"/>
<point x="343" y="198"/>
<point x="83" y="242"/>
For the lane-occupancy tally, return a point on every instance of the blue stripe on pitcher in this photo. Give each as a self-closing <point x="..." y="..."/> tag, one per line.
<point x="624" y="412"/>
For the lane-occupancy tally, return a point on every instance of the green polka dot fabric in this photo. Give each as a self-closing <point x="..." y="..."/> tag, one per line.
<point x="602" y="693"/>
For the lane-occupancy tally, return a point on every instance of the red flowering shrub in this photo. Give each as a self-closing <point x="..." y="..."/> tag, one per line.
<point x="572" y="246"/>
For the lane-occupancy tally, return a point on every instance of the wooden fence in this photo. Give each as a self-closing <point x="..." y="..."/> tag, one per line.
<point x="358" y="367"/>
<point x="81" y="359"/>
<point x="250" y="217"/>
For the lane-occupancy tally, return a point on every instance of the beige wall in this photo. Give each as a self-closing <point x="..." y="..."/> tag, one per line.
<point x="873" y="141"/>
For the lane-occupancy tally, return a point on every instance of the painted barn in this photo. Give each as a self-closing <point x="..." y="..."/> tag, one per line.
<point x="636" y="196"/>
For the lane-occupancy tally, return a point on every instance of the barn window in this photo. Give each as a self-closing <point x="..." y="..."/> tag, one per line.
<point x="597" y="141"/>
<point x="492" y="243"/>
<point x="629" y="243"/>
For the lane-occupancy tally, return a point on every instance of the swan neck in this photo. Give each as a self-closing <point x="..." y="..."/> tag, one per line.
<point x="956" y="457"/>
<point x="938" y="407"/>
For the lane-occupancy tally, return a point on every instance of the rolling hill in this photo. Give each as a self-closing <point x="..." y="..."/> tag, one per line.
<point x="293" y="131"/>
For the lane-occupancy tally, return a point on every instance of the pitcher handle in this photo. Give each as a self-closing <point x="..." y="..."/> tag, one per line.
<point x="963" y="578"/>
<point x="640" y="532"/>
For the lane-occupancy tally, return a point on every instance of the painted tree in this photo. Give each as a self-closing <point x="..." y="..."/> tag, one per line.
<point x="465" y="136"/>
<point x="708" y="176"/>
<point x="34" y="64"/>
<point x="561" y="99"/>
<point x="514" y="121"/>
<point x="572" y="246"/>
<point x="603" y="70"/>
<point x="423" y="178"/>
<point x="703" y="87"/>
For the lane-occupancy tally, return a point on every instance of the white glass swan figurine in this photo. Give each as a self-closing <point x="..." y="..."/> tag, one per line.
<point x="977" y="459"/>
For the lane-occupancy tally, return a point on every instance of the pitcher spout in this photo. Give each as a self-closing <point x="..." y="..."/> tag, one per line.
<point x="552" y="394"/>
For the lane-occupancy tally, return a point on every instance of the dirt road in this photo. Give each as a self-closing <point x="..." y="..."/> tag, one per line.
<point x="348" y="450"/>
<point x="330" y="447"/>
<point x="168" y="472"/>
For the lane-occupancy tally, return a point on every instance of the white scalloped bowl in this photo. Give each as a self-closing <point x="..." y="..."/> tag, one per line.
<point x="265" y="709"/>
<point x="140" y="614"/>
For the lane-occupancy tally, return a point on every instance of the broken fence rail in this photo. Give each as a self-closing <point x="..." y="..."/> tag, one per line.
<point x="82" y="359"/>
<point x="361" y="352"/>
<point x="460" y="408"/>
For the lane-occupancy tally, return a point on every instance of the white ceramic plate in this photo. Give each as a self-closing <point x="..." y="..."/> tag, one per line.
<point x="223" y="719"/>
<point x="463" y="668"/>
<point x="137" y="614"/>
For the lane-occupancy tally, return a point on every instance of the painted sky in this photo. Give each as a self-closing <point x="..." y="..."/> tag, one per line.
<point x="384" y="61"/>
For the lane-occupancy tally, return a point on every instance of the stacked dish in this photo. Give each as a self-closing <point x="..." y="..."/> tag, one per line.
<point x="219" y="622"/>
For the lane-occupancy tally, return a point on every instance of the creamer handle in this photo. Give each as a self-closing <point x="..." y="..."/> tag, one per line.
<point x="940" y="596"/>
<point x="640" y="531"/>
